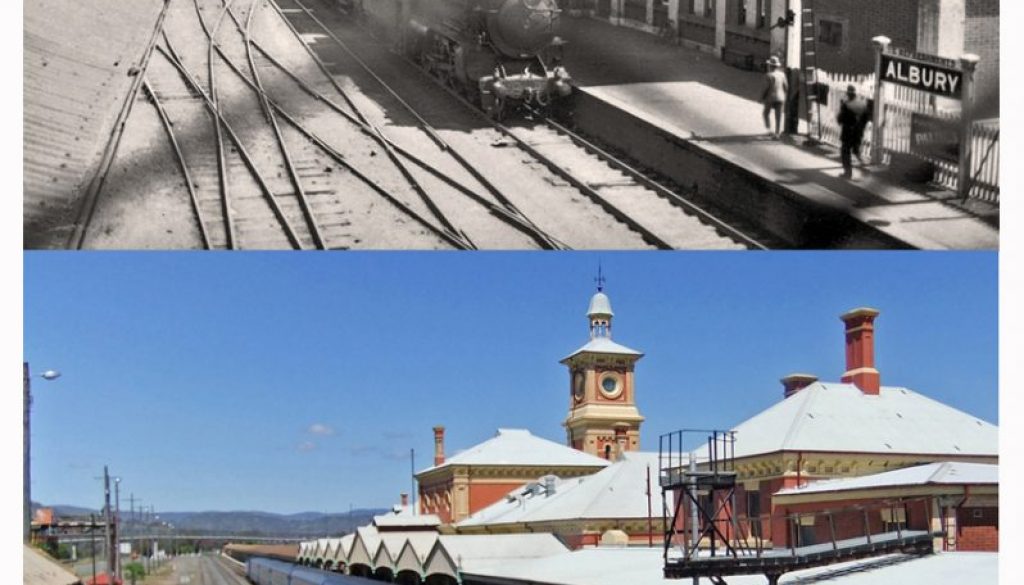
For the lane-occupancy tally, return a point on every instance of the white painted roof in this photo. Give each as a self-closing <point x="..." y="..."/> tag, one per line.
<point x="414" y="552"/>
<point x="421" y="543"/>
<point x="405" y="516"/>
<point x="364" y="546"/>
<point x="40" y="569"/>
<point x="643" y="566"/>
<point x="472" y="552"/>
<point x="617" y="491"/>
<point x="519" y="447"/>
<point x="344" y="547"/>
<point x="603" y="345"/>
<point x="839" y="417"/>
<point x="600" y="304"/>
<point x="944" y="472"/>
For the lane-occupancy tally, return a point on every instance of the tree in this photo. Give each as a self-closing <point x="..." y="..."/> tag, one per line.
<point x="133" y="571"/>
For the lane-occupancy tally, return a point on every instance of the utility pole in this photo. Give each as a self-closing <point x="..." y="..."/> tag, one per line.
<point x="92" y="543"/>
<point x="27" y="445"/>
<point x="27" y="385"/>
<point x="111" y="552"/>
<point x="412" y="478"/>
<point x="117" y="527"/>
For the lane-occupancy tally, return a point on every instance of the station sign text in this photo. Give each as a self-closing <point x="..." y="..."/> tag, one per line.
<point x="929" y="77"/>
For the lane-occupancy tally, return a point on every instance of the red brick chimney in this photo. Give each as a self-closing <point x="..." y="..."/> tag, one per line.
<point x="794" y="383"/>
<point x="405" y="499"/>
<point x="438" y="445"/>
<point x="860" y="350"/>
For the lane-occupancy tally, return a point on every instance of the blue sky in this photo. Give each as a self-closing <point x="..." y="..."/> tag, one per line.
<point x="293" y="382"/>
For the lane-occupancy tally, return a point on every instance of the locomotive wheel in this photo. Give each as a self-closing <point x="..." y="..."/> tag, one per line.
<point x="497" y="111"/>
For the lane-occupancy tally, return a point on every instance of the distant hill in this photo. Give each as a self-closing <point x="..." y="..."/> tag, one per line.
<point x="250" y="523"/>
<point x="254" y="523"/>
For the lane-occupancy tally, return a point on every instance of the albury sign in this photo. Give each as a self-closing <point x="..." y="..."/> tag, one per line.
<point x="937" y="79"/>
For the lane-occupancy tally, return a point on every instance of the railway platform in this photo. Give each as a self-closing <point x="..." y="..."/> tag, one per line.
<point x="686" y="114"/>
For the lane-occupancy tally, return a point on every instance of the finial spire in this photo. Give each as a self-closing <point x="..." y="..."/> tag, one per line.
<point x="600" y="278"/>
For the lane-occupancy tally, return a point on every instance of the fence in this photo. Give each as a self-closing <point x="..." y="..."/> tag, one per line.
<point x="901" y="106"/>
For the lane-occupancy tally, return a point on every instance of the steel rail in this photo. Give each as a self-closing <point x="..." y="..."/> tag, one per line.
<point x="168" y="128"/>
<point x="222" y="163"/>
<point x="579" y="184"/>
<point x="457" y="243"/>
<point x="452" y="239"/>
<point x="500" y="212"/>
<point x="516" y="221"/>
<point x="340" y="158"/>
<point x="438" y="214"/>
<point x="307" y="211"/>
<point x="87" y="203"/>
<point x="671" y="195"/>
<point x="550" y="242"/>
<point x="221" y="122"/>
<point x="173" y="58"/>
<point x="591" y="192"/>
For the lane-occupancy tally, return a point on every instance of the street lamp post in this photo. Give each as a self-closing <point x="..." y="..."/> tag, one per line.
<point x="27" y="430"/>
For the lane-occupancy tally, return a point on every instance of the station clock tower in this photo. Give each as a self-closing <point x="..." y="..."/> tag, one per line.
<point x="603" y="418"/>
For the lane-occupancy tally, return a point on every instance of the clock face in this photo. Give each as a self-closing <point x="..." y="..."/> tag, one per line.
<point x="611" y="384"/>
<point x="577" y="387"/>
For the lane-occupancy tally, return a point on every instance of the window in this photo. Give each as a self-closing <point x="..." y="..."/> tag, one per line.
<point x="762" y="14"/>
<point x="741" y="16"/>
<point x="693" y="7"/>
<point x="754" y="513"/>
<point x="830" y="32"/>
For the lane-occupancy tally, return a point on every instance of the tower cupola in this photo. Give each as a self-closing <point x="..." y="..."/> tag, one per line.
<point x="600" y="315"/>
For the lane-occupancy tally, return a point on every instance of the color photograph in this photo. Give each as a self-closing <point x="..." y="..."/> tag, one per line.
<point x="515" y="417"/>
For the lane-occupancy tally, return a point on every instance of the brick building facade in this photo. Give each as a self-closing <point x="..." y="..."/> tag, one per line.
<point x="746" y="32"/>
<point x="850" y="430"/>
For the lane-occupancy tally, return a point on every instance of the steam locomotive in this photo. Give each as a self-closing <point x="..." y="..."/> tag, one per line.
<point x="500" y="53"/>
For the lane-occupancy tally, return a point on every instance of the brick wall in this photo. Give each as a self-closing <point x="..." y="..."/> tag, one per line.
<point x="977" y="529"/>
<point x="982" y="39"/>
<point x="482" y="495"/>
<point x="862" y="20"/>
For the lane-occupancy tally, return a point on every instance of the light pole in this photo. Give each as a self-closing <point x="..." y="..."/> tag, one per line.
<point x="27" y="424"/>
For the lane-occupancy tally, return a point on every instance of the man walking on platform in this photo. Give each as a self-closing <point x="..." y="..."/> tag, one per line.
<point x="853" y="118"/>
<point x="774" y="95"/>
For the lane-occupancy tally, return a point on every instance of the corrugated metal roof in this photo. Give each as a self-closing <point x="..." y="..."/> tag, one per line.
<point x="604" y="345"/>
<point x="454" y="553"/>
<point x="519" y="447"/>
<point x="643" y="566"/>
<point x="617" y="491"/>
<point x="600" y="304"/>
<point x="40" y="569"/>
<point x="839" y="417"/>
<point x="402" y="516"/>
<point x="940" y="473"/>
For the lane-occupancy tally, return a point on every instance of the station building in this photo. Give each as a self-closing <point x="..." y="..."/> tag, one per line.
<point x="617" y="505"/>
<point x="456" y="487"/>
<point x="518" y="508"/>
<point x="602" y="423"/>
<point x="746" y="32"/>
<point x="857" y="428"/>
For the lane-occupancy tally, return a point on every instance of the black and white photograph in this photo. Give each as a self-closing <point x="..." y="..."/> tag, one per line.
<point x="511" y="124"/>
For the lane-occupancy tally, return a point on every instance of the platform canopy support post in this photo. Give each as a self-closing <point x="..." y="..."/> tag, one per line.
<point x="968" y="64"/>
<point x="881" y="43"/>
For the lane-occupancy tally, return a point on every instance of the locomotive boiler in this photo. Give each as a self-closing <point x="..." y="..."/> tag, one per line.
<point x="501" y="53"/>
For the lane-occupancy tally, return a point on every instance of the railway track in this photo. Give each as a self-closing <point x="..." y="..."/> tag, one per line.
<point x="656" y="210"/>
<point x="284" y="145"/>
